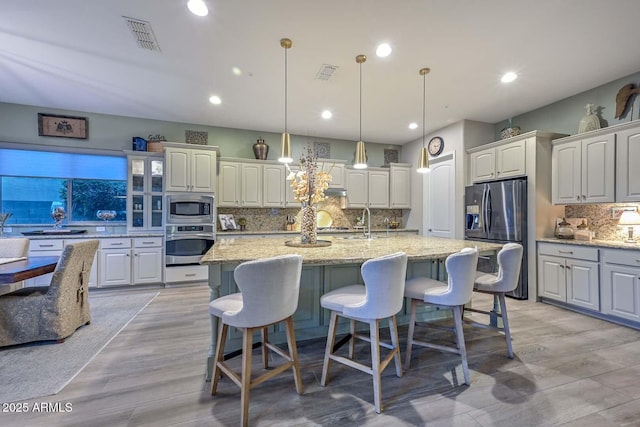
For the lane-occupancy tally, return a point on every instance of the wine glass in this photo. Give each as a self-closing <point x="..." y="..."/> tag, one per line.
<point x="58" y="215"/>
<point x="106" y="215"/>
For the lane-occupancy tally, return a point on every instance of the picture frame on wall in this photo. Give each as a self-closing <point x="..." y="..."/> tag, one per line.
<point x="63" y="126"/>
<point x="227" y="222"/>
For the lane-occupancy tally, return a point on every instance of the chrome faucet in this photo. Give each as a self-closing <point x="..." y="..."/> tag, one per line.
<point x="387" y="221"/>
<point x="367" y="233"/>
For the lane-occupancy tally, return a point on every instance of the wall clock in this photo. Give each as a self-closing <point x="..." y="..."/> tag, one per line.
<point x="435" y="146"/>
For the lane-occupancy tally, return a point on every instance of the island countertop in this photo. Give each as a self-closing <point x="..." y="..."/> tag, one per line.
<point x="342" y="250"/>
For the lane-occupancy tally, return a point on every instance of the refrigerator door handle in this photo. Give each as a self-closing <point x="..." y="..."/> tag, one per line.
<point x="488" y="209"/>
<point x="483" y="212"/>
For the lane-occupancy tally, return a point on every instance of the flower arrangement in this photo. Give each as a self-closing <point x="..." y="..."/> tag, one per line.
<point x="308" y="186"/>
<point x="3" y="219"/>
<point x="309" y="183"/>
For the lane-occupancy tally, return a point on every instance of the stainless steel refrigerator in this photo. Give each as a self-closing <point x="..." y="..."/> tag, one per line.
<point x="497" y="212"/>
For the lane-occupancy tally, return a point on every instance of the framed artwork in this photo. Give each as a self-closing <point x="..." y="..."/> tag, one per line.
<point x="227" y="222"/>
<point x="63" y="126"/>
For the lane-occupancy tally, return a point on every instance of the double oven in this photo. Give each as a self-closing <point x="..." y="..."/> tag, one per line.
<point x="190" y="229"/>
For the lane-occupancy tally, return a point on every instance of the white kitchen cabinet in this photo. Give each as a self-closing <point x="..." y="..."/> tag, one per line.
<point x="367" y="188"/>
<point x="273" y="185"/>
<point x="620" y="285"/>
<point x="115" y="262"/>
<point x="144" y="192"/>
<point x="583" y="169"/>
<point x="290" y="201"/>
<point x="147" y="260"/>
<point x="569" y="274"/>
<point x="399" y="186"/>
<point x="506" y="160"/>
<point x="229" y="184"/>
<point x="251" y="185"/>
<point x="189" y="169"/>
<point x="336" y="170"/>
<point x="627" y="170"/>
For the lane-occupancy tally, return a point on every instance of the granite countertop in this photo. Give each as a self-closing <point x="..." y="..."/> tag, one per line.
<point x="342" y="250"/>
<point x="330" y="231"/>
<point x="617" y="244"/>
<point x="93" y="236"/>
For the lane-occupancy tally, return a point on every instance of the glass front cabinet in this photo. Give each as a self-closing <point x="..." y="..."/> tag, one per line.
<point x="144" y="195"/>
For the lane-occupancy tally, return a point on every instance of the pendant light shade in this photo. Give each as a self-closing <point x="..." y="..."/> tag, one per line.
<point x="285" y="153"/>
<point x="423" y="160"/>
<point x="360" y="161"/>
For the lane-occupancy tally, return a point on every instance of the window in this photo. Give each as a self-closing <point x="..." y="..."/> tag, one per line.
<point x="80" y="183"/>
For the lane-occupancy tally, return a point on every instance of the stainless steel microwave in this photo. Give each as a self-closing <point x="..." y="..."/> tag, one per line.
<point x="190" y="208"/>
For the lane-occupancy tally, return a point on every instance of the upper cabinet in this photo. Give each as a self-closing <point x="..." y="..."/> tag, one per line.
<point x="144" y="195"/>
<point x="336" y="170"/>
<point x="583" y="169"/>
<point x="274" y="184"/>
<point x="627" y="170"/>
<point x="505" y="160"/>
<point x="400" y="186"/>
<point x="240" y="184"/>
<point x="190" y="169"/>
<point x="367" y="188"/>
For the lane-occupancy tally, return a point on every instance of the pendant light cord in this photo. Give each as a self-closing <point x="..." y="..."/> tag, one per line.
<point x="285" y="89"/>
<point x="360" y="102"/>
<point x="424" y="105"/>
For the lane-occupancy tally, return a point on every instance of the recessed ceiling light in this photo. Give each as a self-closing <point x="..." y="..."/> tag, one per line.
<point x="413" y="126"/>
<point x="215" y="99"/>
<point x="326" y="114"/>
<point x="383" y="50"/>
<point x="509" y="77"/>
<point x="197" y="7"/>
<point x="236" y="71"/>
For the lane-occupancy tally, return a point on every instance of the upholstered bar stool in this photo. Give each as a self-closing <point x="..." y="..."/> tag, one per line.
<point x="506" y="280"/>
<point x="453" y="295"/>
<point x="380" y="298"/>
<point x="269" y="290"/>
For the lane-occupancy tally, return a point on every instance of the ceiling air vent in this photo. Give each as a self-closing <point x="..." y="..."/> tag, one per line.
<point x="326" y="71"/>
<point x="143" y="33"/>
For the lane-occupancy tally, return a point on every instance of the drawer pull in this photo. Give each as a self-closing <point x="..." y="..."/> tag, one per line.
<point x="190" y="274"/>
<point x="45" y="246"/>
<point x="115" y="244"/>
<point x="147" y="243"/>
<point x="566" y="252"/>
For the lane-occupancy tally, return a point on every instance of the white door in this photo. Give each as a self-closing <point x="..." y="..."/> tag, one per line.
<point x="440" y="201"/>
<point x="229" y="184"/>
<point x="178" y="178"/>
<point x="566" y="173"/>
<point x="147" y="265"/>
<point x="628" y="174"/>
<point x="273" y="180"/>
<point x="203" y="171"/>
<point x="598" y="174"/>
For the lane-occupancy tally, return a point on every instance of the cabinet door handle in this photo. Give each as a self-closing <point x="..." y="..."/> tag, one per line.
<point x="638" y="260"/>
<point x="498" y="173"/>
<point x="565" y="252"/>
<point x="584" y="197"/>
<point x="578" y="197"/>
<point x="568" y="267"/>
<point x="562" y="266"/>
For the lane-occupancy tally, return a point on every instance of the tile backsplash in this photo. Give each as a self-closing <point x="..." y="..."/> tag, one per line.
<point x="600" y="220"/>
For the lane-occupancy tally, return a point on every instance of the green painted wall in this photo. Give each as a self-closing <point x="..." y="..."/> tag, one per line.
<point x="19" y="124"/>
<point x="564" y="116"/>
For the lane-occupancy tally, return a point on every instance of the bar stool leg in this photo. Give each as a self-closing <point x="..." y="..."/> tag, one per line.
<point x="219" y="358"/>
<point x="412" y="326"/>
<point x="374" y="334"/>
<point x="265" y="351"/>
<point x="352" y="341"/>
<point x="245" y="388"/>
<point x="393" y="331"/>
<point x="457" y="318"/>
<point x="505" y="322"/>
<point x="293" y="353"/>
<point x="331" y="337"/>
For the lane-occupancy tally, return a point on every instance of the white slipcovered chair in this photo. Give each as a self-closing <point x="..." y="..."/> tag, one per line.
<point x="453" y="295"/>
<point x="269" y="290"/>
<point x="381" y="297"/>
<point x="506" y="280"/>
<point x="13" y="248"/>
<point x="52" y="312"/>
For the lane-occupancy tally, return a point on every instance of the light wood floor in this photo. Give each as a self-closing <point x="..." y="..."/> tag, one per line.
<point x="568" y="370"/>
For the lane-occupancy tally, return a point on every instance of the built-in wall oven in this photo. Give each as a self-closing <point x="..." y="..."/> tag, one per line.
<point x="190" y="208"/>
<point x="185" y="244"/>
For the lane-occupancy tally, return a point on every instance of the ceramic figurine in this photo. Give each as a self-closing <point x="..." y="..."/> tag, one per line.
<point x="590" y="121"/>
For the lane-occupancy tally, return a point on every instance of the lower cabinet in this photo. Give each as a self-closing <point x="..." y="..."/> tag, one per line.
<point x="54" y="247"/>
<point x="569" y="274"/>
<point x="621" y="283"/>
<point x="125" y="261"/>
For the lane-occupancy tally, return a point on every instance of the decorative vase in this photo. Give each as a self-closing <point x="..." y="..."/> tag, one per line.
<point x="260" y="149"/>
<point x="590" y="121"/>
<point x="308" y="226"/>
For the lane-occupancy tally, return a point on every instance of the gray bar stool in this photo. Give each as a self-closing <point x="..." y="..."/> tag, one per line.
<point x="506" y="280"/>
<point x="269" y="290"/>
<point x="453" y="295"/>
<point x="380" y="298"/>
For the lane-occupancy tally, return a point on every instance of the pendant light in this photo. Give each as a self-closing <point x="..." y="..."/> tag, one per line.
<point x="361" y="154"/>
<point x="285" y="153"/>
<point x="423" y="161"/>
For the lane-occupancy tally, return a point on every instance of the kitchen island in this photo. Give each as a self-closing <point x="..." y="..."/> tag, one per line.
<point x="325" y="269"/>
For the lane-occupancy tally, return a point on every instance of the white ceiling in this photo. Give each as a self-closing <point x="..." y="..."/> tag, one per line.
<point x="80" y="55"/>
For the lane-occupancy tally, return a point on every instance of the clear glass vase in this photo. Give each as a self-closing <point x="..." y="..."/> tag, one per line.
<point x="308" y="226"/>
